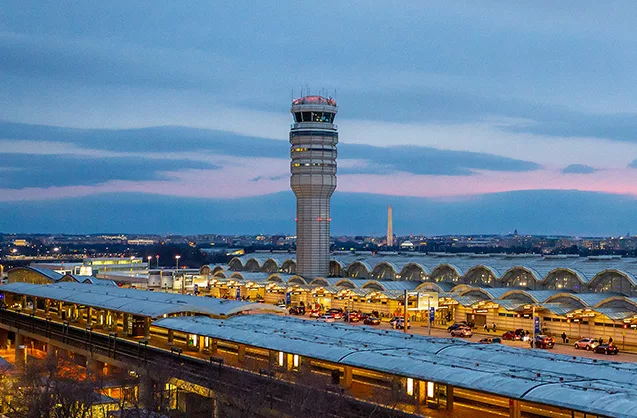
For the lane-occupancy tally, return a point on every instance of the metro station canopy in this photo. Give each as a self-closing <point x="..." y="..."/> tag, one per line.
<point x="133" y="301"/>
<point x="605" y="387"/>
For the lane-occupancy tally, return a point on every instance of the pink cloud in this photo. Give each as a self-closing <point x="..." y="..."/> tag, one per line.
<point x="242" y="177"/>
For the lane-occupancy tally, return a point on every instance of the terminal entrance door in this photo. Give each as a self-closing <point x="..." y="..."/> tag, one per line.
<point x="478" y="319"/>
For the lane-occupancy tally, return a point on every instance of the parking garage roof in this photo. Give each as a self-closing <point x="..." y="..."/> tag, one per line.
<point x="605" y="387"/>
<point x="133" y="301"/>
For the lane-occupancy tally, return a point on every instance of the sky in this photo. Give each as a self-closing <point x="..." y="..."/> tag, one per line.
<point x="175" y="115"/>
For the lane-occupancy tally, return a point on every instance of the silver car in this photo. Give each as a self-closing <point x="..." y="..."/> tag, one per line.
<point x="586" y="343"/>
<point x="462" y="332"/>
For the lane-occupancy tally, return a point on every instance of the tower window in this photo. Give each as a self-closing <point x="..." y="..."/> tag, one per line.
<point x="307" y="116"/>
<point x="297" y="117"/>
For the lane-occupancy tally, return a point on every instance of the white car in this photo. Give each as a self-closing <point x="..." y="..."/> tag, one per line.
<point x="586" y="343"/>
<point x="326" y="318"/>
<point x="461" y="332"/>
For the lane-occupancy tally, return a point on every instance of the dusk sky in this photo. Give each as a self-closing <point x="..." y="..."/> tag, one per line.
<point x="166" y="116"/>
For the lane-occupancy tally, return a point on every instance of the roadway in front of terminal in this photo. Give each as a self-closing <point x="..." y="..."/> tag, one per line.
<point x="560" y="348"/>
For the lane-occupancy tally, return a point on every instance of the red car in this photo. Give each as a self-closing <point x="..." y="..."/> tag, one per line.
<point x="510" y="335"/>
<point x="351" y="317"/>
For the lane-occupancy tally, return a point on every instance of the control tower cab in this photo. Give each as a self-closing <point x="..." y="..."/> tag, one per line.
<point x="313" y="137"/>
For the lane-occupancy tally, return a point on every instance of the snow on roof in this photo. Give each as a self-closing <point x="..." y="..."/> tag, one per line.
<point x="604" y="387"/>
<point x="133" y="301"/>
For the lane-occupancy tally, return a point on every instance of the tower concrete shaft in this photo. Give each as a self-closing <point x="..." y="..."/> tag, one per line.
<point x="313" y="139"/>
<point x="390" y="229"/>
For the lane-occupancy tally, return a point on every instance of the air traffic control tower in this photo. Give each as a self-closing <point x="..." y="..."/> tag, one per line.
<point x="313" y="137"/>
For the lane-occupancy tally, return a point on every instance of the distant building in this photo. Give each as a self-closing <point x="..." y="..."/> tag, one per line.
<point x="390" y="227"/>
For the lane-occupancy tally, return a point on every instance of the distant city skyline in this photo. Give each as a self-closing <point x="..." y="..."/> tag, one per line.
<point x="465" y="119"/>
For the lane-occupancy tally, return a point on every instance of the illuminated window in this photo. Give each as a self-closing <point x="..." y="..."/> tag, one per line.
<point x="410" y="386"/>
<point x="295" y="361"/>
<point x="281" y="357"/>
<point x="430" y="389"/>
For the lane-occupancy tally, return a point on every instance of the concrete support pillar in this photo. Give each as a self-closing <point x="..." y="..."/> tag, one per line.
<point x="346" y="380"/>
<point x="20" y="351"/>
<point x="125" y="319"/>
<point x="449" y="398"/>
<point x="74" y="314"/>
<point x="35" y="305"/>
<point x="213" y="347"/>
<point x="514" y="408"/>
<point x="420" y="389"/>
<point x="47" y="306"/>
<point x="145" y="391"/>
<point x="241" y="353"/>
<point x="147" y="328"/>
<point x="60" y="310"/>
<point x="23" y="302"/>
<point x="51" y="351"/>
<point x="171" y="336"/>
<point x="89" y="316"/>
<point x="200" y="343"/>
<point x="4" y="339"/>
<point x="93" y="367"/>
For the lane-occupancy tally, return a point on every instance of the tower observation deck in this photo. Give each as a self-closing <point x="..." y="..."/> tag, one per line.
<point x="313" y="137"/>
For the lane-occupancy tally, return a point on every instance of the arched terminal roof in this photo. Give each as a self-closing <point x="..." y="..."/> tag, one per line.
<point x="48" y="274"/>
<point x="133" y="301"/>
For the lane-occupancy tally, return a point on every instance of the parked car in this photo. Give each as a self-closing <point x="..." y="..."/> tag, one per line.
<point x="315" y="313"/>
<point x="491" y="340"/>
<point x="515" y="335"/>
<point x="462" y="332"/>
<point x="543" y="341"/>
<point x="400" y="324"/>
<point x="371" y="320"/>
<point x="586" y="343"/>
<point x="456" y="326"/>
<point x="351" y="317"/>
<point x="606" y="349"/>
<point x="510" y="335"/>
<point x="337" y="313"/>
<point x="326" y="318"/>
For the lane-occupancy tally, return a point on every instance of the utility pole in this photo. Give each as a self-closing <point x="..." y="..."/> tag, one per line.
<point x="429" y="313"/>
<point x="405" y="311"/>
<point x="534" y="333"/>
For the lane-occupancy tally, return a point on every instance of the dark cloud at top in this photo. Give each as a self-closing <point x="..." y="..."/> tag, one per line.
<point x="411" y="159"/>
<point x="578" y="169"/>
<point x="27" y="170"/>
<point x="430" y="69"/>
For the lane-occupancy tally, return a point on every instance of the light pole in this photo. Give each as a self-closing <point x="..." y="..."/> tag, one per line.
<point x="429" y="314"/>
<point x="177" y="257"/>
<point x="534" y="330"/>
<point x="132" y="257"/>
<point x="149" y="258"/>
<point x="157" y="257"/>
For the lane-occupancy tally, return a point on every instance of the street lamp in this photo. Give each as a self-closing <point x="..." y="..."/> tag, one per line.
<point x="177" y="257"/>
<point x="132" y="257"/>
<point x="157" y="257"/>
<point x="149" y="258"/>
